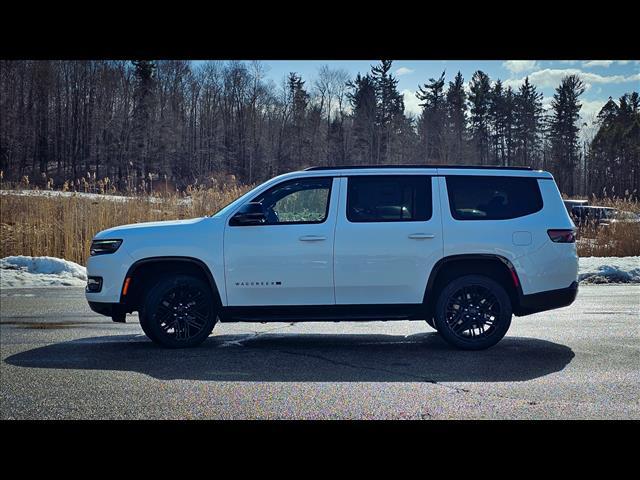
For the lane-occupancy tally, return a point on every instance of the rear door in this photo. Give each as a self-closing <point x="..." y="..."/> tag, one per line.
<point x="503" y="213"/>
<point x="388" y="237"/>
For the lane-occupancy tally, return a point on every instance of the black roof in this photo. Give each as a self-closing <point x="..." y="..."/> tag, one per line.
<point x="488" y="167"/>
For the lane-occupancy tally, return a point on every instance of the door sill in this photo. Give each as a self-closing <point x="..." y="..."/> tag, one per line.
<point x="322" y="313"/>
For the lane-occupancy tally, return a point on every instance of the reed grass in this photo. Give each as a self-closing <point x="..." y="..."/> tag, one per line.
<point x="63" y="226"/>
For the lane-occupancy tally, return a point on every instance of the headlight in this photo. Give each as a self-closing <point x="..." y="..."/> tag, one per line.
<point x="102" y="247"/>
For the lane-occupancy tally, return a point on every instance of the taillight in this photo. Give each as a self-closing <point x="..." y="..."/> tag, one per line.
<point x="562" y="236"/>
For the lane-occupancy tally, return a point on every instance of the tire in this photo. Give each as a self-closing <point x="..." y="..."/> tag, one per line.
<point x="144" y="323"/>
<point x="431" y="323"/>
<point x="178" y="312"/>
<point x="485" y="312"/>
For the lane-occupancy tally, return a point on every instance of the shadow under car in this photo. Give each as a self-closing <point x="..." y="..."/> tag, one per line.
<point x="423" y="357"/>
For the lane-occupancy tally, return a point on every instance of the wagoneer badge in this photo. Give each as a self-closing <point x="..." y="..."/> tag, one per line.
<point x="257" y="284"/>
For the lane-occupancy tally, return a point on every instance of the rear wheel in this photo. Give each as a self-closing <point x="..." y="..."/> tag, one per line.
<point x="178" y="312"/>
<point x="473" y="312"/>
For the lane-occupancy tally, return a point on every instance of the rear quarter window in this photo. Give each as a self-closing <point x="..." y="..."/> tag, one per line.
<point x="492" y="198"/>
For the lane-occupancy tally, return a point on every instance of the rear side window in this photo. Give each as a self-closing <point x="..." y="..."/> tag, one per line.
<point x="393" y="198"/>
<point x="492" y="198"/>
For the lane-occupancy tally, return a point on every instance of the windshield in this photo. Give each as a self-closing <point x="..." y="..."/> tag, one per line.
<point x="241" y="199"/>
<point x="229" y="205"/>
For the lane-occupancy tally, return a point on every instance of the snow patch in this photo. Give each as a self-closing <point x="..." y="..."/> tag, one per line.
<point x="89" y="196"/>
<point x="58" y="193"/>
<point x="27" y="272"/>
<point x="609" y="270"/>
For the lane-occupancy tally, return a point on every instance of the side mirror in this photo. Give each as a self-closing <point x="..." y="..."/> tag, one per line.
<point x="249" y="214"/>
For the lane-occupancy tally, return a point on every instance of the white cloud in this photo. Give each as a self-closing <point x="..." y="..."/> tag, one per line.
<point x="590" y="109"/>
<point x="517" y="66"/>
<point x="551" y="77"/>
<point x="597" y="63"/>
<point x="411" y="103"/>
<point x="403" y="71"/>
<point x="604" y="63"/>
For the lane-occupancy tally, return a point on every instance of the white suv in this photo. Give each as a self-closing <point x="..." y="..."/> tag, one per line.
<point x="462" y="247"/>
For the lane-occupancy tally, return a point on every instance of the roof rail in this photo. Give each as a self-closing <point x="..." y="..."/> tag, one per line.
<point x="483" y="167"/>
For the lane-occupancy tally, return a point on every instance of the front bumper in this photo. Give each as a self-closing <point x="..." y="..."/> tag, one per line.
<point x="112" y="269"/>
<point x="549" y="300"/>
<point x="116" y="311"/>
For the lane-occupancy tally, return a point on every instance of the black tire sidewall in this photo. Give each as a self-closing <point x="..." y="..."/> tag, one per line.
<point x="152" y="328"/>
<point x="504" y="321"/>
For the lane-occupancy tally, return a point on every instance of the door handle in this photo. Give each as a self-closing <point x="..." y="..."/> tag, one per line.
<point x="312" y="238"/>
<point x="421" y="236"/>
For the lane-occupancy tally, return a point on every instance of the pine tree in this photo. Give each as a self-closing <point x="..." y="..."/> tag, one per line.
<point x="362" y="98"/>
<point x="564" y="130"/>
<point x="144" y="99"/>
<point x="479" y="104"/>
<point x="432" y="120"/>
<point x="456" y="124"/>
<point x="390" y="110"/>
<point x="527" y="116"/>
<point x="614" y="154"/>
<point x="299" y="99"/>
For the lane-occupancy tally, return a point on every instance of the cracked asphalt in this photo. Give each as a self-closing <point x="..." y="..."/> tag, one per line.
<point x="62" y="361"/>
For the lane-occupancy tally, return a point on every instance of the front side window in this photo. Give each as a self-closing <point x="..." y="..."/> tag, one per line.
<point x="492" y="198"/>
<point x="297" y="201"/>
<point x="393" y="198"/>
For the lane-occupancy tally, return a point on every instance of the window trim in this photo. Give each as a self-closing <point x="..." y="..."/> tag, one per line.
<point x="454" y="213"/>
<point x="291" y="180"/>
<point x="390" y="220"/>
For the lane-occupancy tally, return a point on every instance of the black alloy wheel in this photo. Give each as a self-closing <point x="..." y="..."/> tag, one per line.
<point x="179" y="312"/>
<point x="473" y="312"/>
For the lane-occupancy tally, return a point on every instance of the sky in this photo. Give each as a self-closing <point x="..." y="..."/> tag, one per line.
<point x="603" y="78"/>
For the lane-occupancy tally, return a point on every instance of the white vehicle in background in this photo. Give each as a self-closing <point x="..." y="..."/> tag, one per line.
<point x="464" y="248"/>
<point x="601" y="216"/>
<point x="569" y="204"/>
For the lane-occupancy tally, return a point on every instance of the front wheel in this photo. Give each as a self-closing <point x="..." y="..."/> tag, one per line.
<point x="473" y="312"/>
<point x="178" y="312"/>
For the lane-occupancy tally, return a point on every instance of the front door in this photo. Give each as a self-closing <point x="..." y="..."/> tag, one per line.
<point x="288" y="260"/>
<point x="388" y="238"/>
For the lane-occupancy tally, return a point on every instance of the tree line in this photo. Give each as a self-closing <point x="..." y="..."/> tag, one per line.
<point x="136" y="122"/>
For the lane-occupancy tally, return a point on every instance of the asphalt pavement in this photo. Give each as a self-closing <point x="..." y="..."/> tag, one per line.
<point x="62" y="361"/>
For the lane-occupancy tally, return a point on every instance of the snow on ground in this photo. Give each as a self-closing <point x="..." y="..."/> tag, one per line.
<point x="58" y="193"/>
<point x="609" y="270"/>
<point x="26" y="272"/>
<point x="88" y="196"/>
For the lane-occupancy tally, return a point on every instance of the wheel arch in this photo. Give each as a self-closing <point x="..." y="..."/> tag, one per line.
<point x="144" y="271"/>
<point x="493" y="266"/>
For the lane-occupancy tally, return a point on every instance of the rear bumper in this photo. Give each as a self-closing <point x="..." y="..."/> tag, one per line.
<point x="540" y="302"/>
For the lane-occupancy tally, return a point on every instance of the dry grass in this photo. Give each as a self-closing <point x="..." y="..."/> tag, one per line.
<point x="614" y="240"/>
<point x="64" y="226"/>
